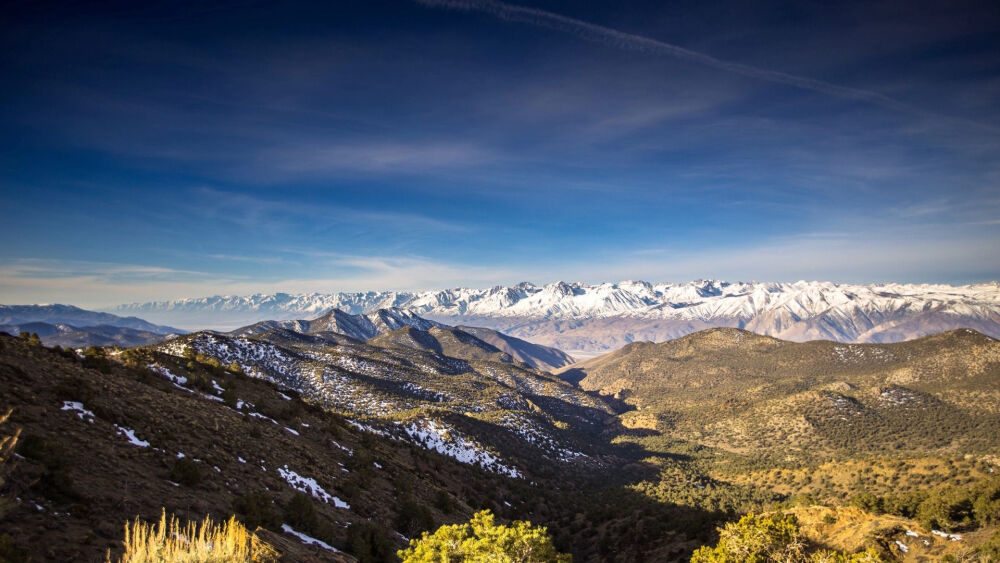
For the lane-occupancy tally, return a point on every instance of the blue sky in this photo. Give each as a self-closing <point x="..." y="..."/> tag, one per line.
<point x="153" y="152"/>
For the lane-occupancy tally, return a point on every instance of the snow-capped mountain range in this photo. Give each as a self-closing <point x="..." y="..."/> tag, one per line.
<point x="584" y="319"/>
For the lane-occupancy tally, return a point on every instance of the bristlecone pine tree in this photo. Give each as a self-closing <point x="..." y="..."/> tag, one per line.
<point x="481" y="541"/>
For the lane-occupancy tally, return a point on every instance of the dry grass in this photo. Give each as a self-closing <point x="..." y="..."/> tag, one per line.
<point x="170" y="542"/>
<point x="7" y="444"/>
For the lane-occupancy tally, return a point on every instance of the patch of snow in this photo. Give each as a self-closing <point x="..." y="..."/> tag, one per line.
<point x="176" y="379"/>
<point x="292" y="431"/>
<point x="81" y="412"/>
<point x="443" y="439"/>
<point x="346" y="449"/>
<point x="285" y="397"/>
<point x="307" y="539"/>
<point x="262" y="417"/>
<point x="902" y="546"/>
<point x="130" y="434"/>
<point x="310" y="486"/>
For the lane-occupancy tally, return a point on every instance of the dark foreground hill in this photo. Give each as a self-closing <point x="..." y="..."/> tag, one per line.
<point x="104" y="439"/>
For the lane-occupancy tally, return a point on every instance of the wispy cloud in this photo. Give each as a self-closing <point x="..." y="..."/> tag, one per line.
<point x="632" y="42"/>
<point x="398" y="157"/>
<point x="100" y="284"/>
<point x="252" y="211"/>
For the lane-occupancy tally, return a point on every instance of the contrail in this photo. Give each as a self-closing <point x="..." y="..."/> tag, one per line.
<point x="628" y="41"/>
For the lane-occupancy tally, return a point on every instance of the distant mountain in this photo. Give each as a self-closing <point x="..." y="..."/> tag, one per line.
<point x="69" y="336"/>
<point x="595" y="318"/>
<point x="68" y="326"/>
<point x="402" y="328"/>
<point x="75" y="316"/>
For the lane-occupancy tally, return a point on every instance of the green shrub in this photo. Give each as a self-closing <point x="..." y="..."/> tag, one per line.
<point x="412" y="518"/>
<point x="185" y="472"/>
<point x="300" y="514"/>
<point x="96" y="357"/>
<point x="55" y="483"/>
<point x="10" y="552"/>
<point x="257" y="509"/>
<point x="370" y="544"/>
<point x="74" y="388"/>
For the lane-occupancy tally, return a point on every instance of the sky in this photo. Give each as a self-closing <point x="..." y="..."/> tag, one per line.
<point x="162" y="150"/>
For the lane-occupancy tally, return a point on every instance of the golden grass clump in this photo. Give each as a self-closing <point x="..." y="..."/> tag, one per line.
<point x="7" y="444"/>
<point x="169" y="542"/>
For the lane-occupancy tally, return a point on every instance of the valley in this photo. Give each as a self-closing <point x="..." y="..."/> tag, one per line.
<point x="364" y="430"/>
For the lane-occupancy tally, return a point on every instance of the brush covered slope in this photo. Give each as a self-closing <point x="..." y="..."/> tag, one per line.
<point x="423" y="385"/>
<point x="804" y="402"/>
<point x="112" y="435"/>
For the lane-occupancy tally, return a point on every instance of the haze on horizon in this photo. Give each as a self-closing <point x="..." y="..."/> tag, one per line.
<point x="175" y="150"/>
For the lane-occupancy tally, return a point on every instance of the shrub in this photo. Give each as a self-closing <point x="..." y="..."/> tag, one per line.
<point x="31" y="337"/>
<point x="770" y="538"/>
<point x="257" y="510"/>
<point x="443" y="502"/>
<point x="301" y="514"/>
<point x="412" y="517"/>
<point x="229" y="396"/>
<point x="10" y="552"/>
<point x="55" y="483"/>
<point x="169" y="542"/>
<point x="482" y="540"/>
<point x="370" y="544"/>
<point x="96" y="357"/>
<point x="74" y="388"/>
<point x="185" y="472"/>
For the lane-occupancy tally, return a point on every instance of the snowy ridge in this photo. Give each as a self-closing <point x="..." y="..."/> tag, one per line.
<point x="796" y="311"/>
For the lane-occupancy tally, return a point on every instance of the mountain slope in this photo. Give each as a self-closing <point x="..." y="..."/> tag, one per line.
<point x="372" y="325"/>
<point x="742" y="392"/>
<point x="406" y="376"/>
<point x="593" y="318"/>
<point x="535" y="355"/>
